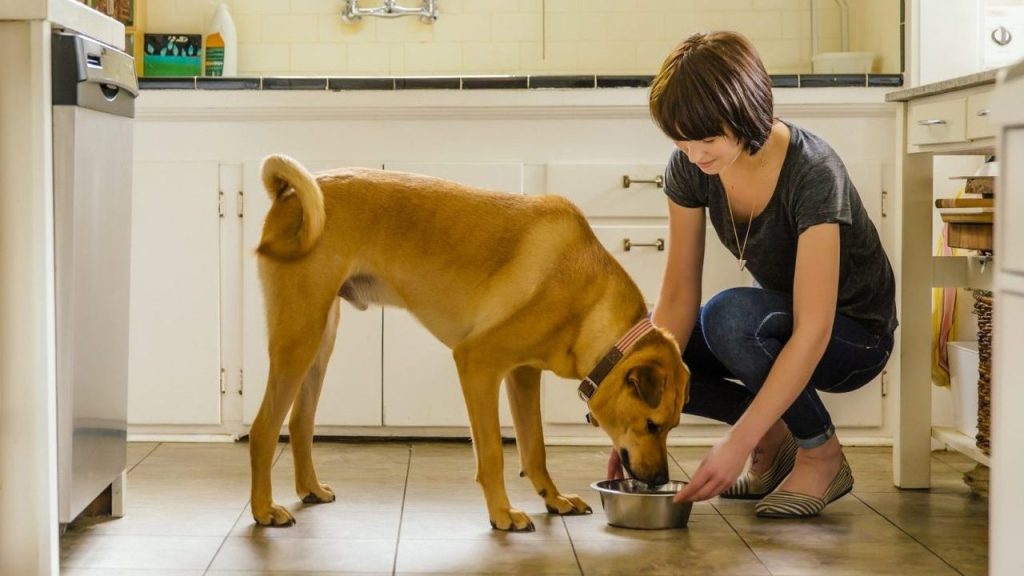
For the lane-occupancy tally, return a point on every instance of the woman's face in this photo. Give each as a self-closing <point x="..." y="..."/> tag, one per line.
<point x="712" y="155"/>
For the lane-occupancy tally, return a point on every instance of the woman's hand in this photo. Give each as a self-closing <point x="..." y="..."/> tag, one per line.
<point x="615" y="471"/>
<point x="716" y="472"/>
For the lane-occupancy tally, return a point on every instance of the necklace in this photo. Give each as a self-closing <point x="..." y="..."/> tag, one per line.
<point x="750" y="223"/>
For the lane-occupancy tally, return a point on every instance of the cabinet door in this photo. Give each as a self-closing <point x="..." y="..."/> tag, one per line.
<point x="421" y="384"/>
<point x="174" y="353"/>
<point x="352" y="386"/>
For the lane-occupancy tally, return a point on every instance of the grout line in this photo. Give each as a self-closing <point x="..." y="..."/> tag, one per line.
<point x="401" y="514"/>
<point x="241" y="512"/>
<point x="744" y="540"/>
<point x="909" y="535"/>
<point x="572" y="545"/>
<point x="147" y="455"/>
<point x="225" y="539"/>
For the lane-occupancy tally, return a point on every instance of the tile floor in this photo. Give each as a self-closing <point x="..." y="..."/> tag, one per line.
<point x="412" y="507"/>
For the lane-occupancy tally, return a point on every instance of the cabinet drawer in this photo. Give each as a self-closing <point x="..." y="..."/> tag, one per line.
<point x="643" y="260"/>
<point x="978" y="123"/>
<point x="937" y="122"/>
<point x="601" y="191"/>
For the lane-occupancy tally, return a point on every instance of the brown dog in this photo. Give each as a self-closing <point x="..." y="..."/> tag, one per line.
<point x="512" y="284"/>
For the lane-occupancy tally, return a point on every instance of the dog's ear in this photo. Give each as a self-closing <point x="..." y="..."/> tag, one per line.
<point x="649" y="383"/>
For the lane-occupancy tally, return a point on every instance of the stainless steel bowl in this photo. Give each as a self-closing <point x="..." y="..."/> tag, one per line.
<point x="633" y="504"/>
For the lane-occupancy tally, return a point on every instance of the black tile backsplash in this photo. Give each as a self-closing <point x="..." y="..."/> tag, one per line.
<point x="168" y="83"/>
<point x="494" y="82"/>
<point x="294" y="83"/>
<point x="360" y="83"/>
<point x="832" y="80"/>
<point x="228" y="83"/>
<point x="785" y="80"/>
<point x="624" y="81"/>
<point x="429" y="83"/>
<point x="562" y="81"/>
<point x="341" y="83"/>
<point x="886" y="80"/>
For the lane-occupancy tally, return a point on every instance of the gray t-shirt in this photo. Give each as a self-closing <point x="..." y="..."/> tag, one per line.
<point x="813" y="188"/>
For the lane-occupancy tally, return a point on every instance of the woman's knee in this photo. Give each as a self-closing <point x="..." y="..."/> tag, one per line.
<point x="740" y="321"/>
<point x="730" y="312"/>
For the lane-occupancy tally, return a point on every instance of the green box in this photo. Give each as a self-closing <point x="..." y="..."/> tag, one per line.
<point x="173" y="55"/>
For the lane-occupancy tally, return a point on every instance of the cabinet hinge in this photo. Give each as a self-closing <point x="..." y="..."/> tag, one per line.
<point x="885" y="197"/>
<point x="885" y="383"/>
<point x="220" y="203"/>
<point x="241" y="380"/>
<point x="223" y="388"/>
<point x="241" y="204"/>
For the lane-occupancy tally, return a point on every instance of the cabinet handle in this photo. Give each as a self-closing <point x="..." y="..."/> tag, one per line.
<point x="935" y="122"/>
<point x="627" y="244"/>
<point x="982" y="113"/>
<point x="658" y="181"/>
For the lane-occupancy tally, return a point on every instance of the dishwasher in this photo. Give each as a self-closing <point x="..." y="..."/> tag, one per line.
<point x="93" y="95"/>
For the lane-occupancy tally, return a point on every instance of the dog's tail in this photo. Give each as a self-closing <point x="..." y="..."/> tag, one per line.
<point x="287" y="235"/>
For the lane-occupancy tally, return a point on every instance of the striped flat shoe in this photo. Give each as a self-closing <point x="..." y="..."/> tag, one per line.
<point x="784" y="504"/>
<point x="756" y="485"/>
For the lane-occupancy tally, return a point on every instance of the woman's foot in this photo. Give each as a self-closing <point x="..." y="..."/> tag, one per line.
<point x="815" y="469"/>
<point x="763" y="456"/>
<point x="820" y="476"/>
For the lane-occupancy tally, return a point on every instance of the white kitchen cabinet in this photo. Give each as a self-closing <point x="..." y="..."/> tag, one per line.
<point x="352" y="386"/>
<point x="421" y="384"/>
<point x="174" y="355"/>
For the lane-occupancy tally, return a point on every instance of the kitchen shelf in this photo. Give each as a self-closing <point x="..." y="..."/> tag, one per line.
<point x="960" y="442"/>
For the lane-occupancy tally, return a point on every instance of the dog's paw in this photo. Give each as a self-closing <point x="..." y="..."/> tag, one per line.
<point x="568" y="505"/>
<point x="321" y="496"/>
<point x="514" y="521"/>
<point x="276" y="516"/>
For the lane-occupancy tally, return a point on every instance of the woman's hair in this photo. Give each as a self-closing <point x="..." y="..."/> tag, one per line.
<point x="711" y="81"/>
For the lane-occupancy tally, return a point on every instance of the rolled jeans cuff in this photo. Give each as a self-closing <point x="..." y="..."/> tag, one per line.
<point x="815" y="441"/>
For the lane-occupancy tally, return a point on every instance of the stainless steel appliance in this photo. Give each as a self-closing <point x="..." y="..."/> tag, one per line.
<point x="94" y="90"/>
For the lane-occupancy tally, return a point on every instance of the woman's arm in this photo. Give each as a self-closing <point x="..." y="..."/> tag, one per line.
<point x="679" y="299"/>
<point x="815" y="291"/>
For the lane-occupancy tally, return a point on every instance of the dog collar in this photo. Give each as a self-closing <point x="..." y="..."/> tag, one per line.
<point x="589" y="384"/>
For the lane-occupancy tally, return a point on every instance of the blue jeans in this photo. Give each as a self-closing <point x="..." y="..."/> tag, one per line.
<point x="739" y="334"/>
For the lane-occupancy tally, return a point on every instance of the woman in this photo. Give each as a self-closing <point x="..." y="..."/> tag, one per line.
<point x="822" y="315"/>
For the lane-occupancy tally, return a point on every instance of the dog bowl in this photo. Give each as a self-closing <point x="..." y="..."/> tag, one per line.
<point x="630" y="503"/>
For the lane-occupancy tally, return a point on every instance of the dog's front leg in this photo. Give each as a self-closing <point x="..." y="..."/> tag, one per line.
<point x="523" y="389"/>
<point x="480" y="386"/>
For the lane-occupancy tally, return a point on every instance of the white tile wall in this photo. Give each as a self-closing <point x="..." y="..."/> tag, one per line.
<point x="525" y="36"/>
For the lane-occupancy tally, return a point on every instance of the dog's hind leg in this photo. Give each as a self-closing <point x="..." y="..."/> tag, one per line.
<point x="480" y="386"/>
<point x="300" y="426"/>
<point x="523" y="388"/>
<point x="293" y="347"/>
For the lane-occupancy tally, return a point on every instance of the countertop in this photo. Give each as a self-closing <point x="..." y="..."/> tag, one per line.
<point x="943" y="86"/>
<point x="67" y="14"/>
<point x="490" y="82"/>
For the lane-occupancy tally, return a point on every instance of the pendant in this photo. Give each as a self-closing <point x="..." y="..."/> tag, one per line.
<point x="743" y="264"/>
